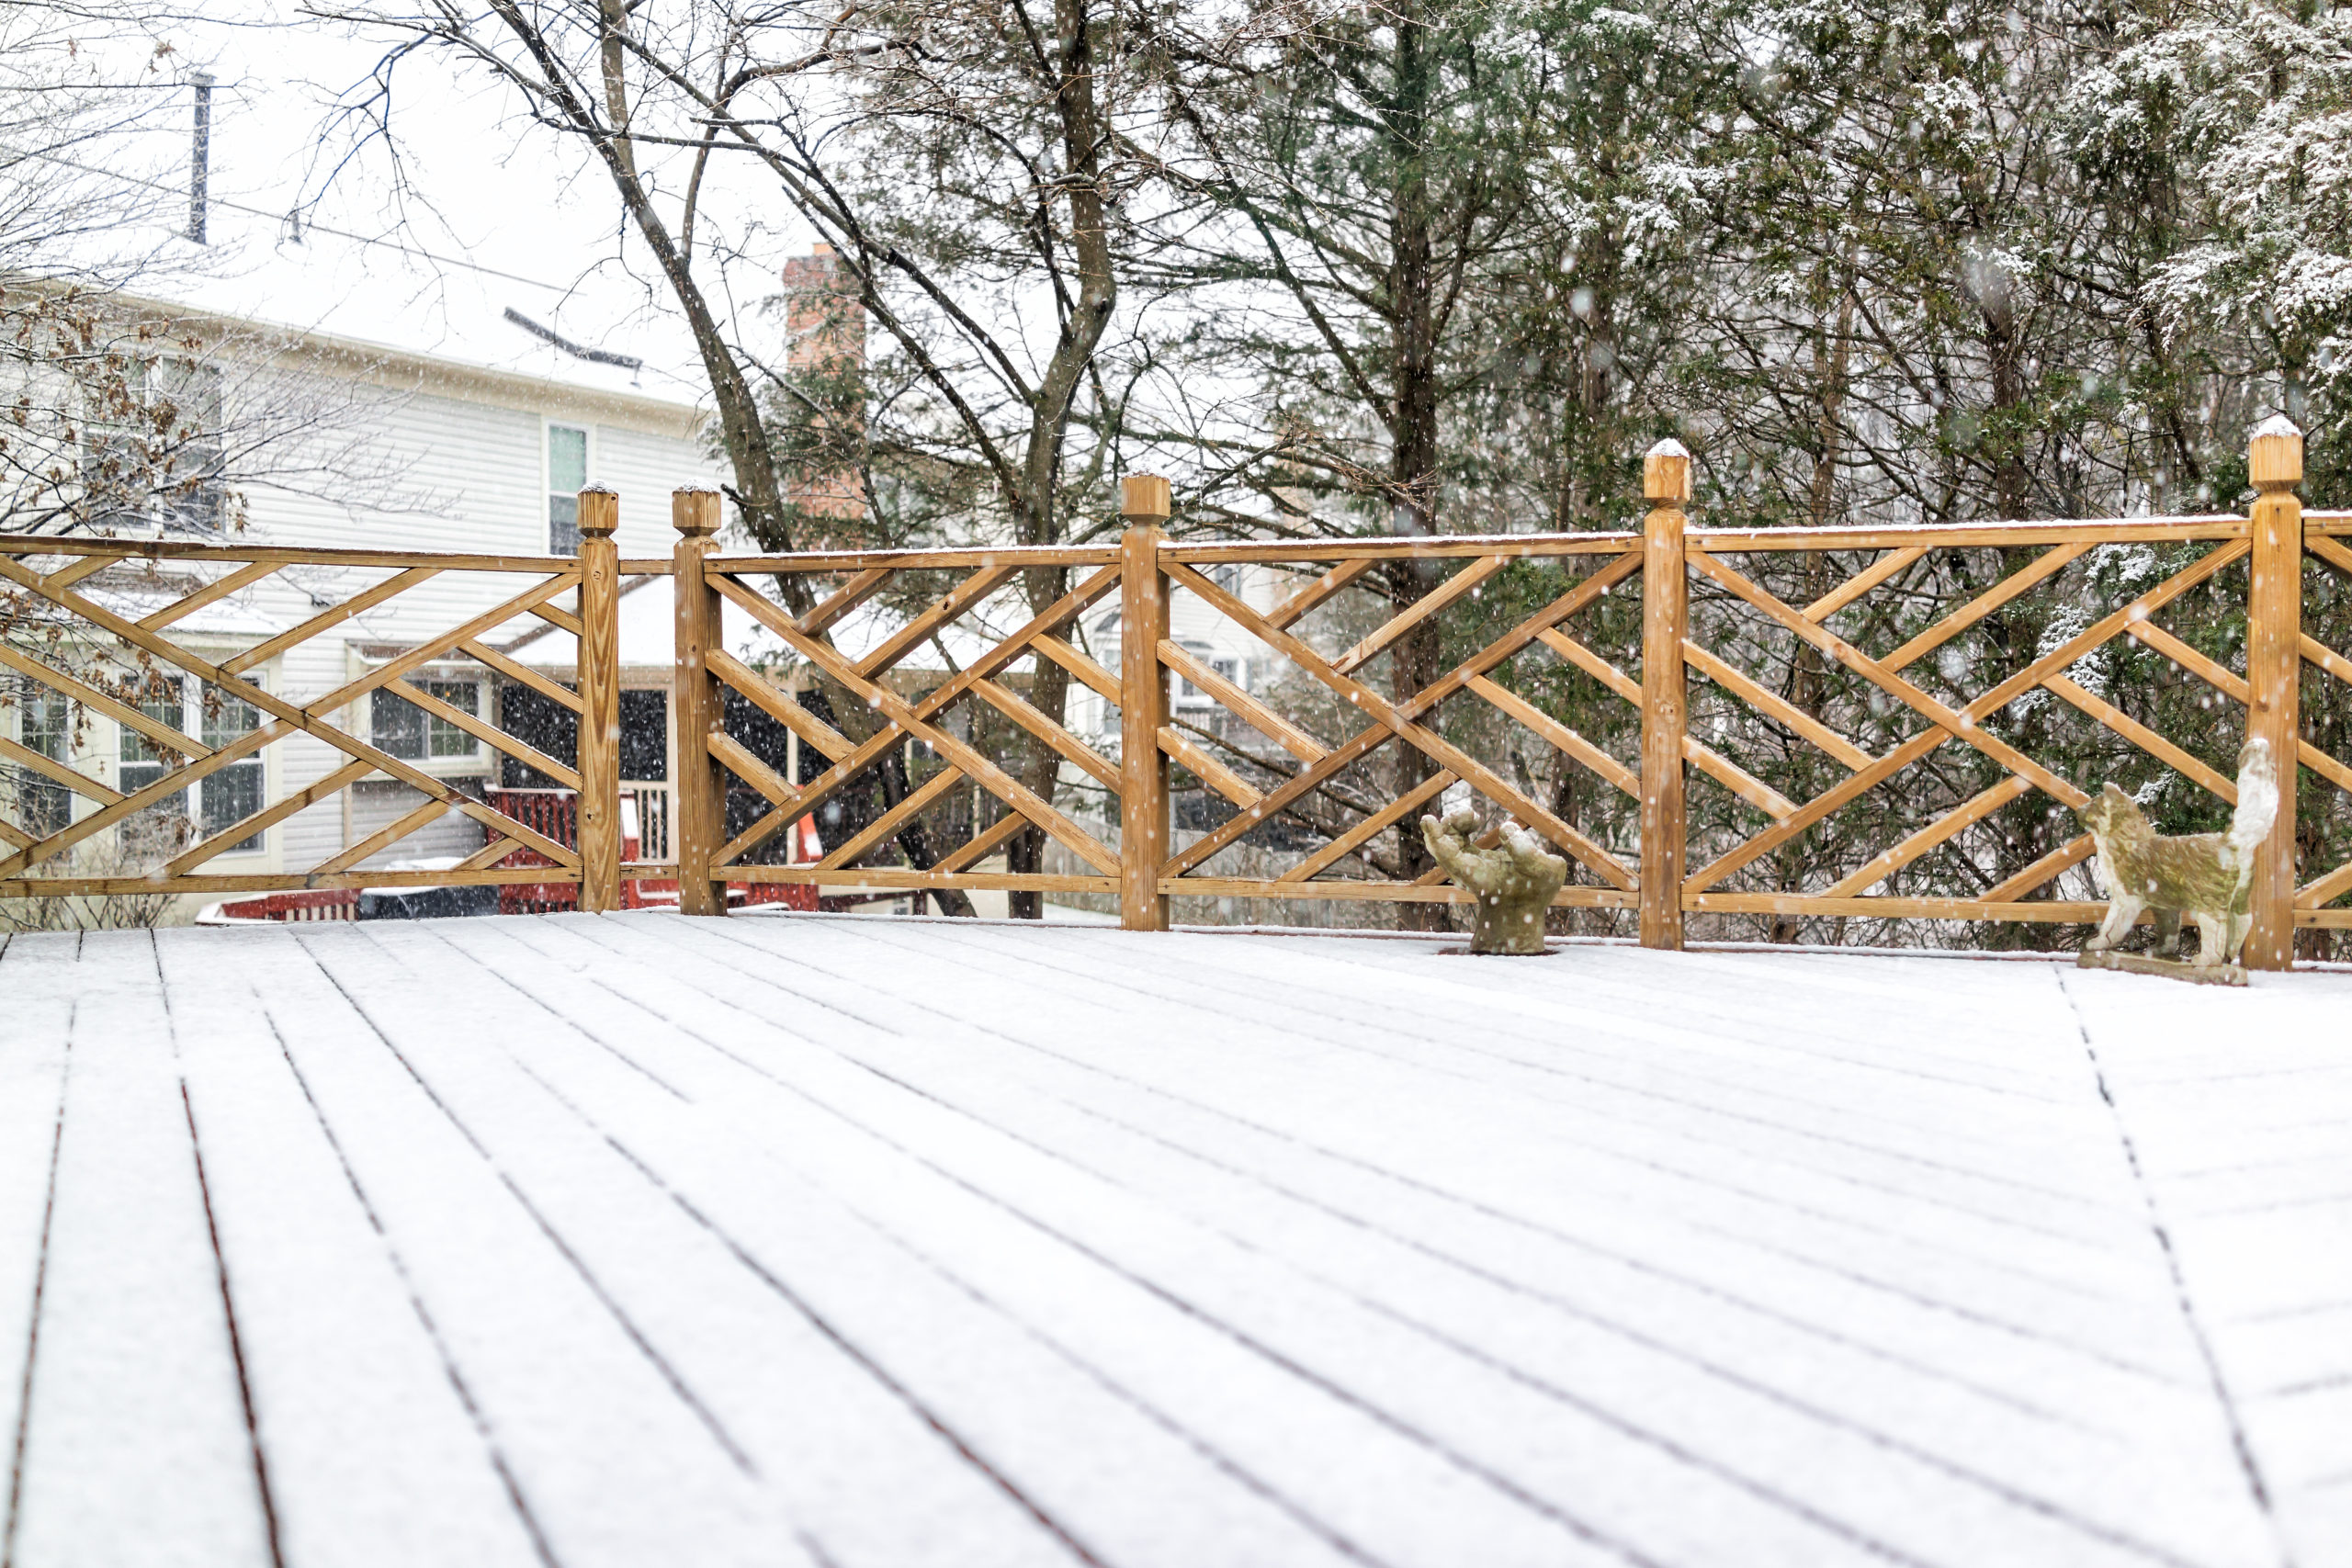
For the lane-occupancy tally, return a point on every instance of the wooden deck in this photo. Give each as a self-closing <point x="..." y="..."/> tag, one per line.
<point x="632" y="1240"/>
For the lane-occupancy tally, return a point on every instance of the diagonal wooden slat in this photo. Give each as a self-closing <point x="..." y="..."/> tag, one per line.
<point x="1697" y="752"/>
<point x="1444" y="753"/>
<point x="1887" y="679"/>
<point x="882" y="828"/>
<point x="15" y="838"/>
<point x="1364" y="741"/>
<point x="1862" y="664"/>
<point x="2332" y="551"/>
<point x="521" y="674"/>
<point x="1984" y="604"/>
<point x="1959" y="818"/>
<point x="1420" y="610"/>
<point x="1992" y="702"/>
<point x="490" y="855"/>
<point x="887" y="703"/>
<point x="848" y="597"/>
<point x="1363" y="832"/>
<point x="2323" y="891"/>
<point x="2072" y="854"/>
<point x="358" y="604"/>
<point x="2147" y="739"/>
<point x="181" y="608"/>
<point x="1862" y="583"/>
<point x="384" y="838"/>
<point x="1263" y="719"/>
<point x="1209" y="771"/>
<point x="1772" y="705"/>
<point x="959" y="598"/>
<point x="488" y="734"/>
<point x="237" y="832"/>
<point x="556" y="617"/>
<point x="1288" y="612"/>
<point x="2327" y="659"/>
<point x="981" y="845"/>
<point x="423" y="654"/>
<point x="1559" y="735"/>
<point x="67" y="576"/>
<point x="747" y="765"/>
<point x="2159" y="640"/>
<point x="828" y="742"/>
<point x="163" y="789"/>
<point x="1067" y="746"/>
<point x="57" y="772"/>
<point x="851" y="763"/>
<point x="89" y="697"/>
<point x="1100" y="680"/>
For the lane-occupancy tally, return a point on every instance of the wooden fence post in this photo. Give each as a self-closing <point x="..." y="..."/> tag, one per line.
<point x="1143" y="705"/>
<point x="597" y="676"/>
<point x="2274" y="673"/>
<point x="1666" y="620"/>
<point x="701" y="792"/>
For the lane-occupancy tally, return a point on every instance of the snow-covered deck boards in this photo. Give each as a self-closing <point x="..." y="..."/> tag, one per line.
<point x="641" y="1241"/>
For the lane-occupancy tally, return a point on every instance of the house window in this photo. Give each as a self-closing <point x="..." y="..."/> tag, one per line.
<point x="44" y="727"/>
<point x="223" y="797"/>
<point x="413" y="734"/>
<point x="154" y="457"/>
<point x="567" y="477"/>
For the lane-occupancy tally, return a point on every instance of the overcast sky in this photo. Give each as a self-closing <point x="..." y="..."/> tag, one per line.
<point x="493" y="213"/>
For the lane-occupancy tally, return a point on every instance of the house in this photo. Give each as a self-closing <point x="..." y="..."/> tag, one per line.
<point x="475" y="459"/>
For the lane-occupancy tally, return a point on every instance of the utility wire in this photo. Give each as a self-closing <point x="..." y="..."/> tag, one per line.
<point x="302" y="228"/>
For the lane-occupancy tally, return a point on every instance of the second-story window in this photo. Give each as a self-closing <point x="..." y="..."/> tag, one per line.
<point x="154" y="450"/>
<point x="567" y="474"/>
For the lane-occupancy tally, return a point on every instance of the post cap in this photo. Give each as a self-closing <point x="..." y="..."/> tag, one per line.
<point x="1145" y="498"/>
<point x="2274" y="457"/>
<point x="1666" y="471"/>
<point x="694" y="510"/>
<point x="600" y="512"/>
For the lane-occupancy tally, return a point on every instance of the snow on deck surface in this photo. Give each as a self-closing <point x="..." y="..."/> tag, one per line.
<point x="641" y="1241"/>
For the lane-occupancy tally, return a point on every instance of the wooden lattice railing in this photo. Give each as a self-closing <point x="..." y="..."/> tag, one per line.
<point x="111" y="650"/>
<point x="1774" y="724"/>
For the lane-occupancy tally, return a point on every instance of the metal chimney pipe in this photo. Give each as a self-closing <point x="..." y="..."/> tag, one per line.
<point x="199" y="166"/>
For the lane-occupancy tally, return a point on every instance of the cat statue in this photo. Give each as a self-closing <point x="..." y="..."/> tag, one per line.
<point x="2205" y="877"/>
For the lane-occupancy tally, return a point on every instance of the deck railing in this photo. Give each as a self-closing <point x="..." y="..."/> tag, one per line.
<point x="1785" y="724"/>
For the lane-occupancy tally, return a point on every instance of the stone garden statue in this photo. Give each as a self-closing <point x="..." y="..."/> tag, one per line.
<point x="1513" y="882"/>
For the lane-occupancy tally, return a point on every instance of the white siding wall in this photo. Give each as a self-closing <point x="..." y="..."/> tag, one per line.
<point x="461" y="475"/>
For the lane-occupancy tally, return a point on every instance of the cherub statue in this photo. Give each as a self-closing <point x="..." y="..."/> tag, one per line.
<point x="1513" y="882"/>
<point x="2206" y="877"/>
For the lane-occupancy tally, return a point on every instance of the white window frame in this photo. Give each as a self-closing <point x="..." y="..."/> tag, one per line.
<point x="549" y="424"/>
<point x="192" y="722"/>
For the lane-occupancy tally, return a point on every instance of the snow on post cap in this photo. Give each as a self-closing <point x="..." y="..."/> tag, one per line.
<point x="2274" y="457"/>
<point x="1666" y="472"/>
<point x="694" y="510"/>
<point x="600" y="511"/>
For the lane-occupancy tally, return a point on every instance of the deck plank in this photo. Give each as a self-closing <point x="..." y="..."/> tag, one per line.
<point x="612" y="1465"/>
<point x="34" y="1030"/>
<point x="856" y="1466"/>
<point x="319" y="1297"/>
<point x="1995" y="1481"/>
<point x="2238" y="1116"/>
<point x="136" y="1448"/>
<point x="1139" y="1489"/>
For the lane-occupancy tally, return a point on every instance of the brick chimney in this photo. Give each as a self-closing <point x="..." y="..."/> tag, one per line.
<point x="827" y="329"/>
